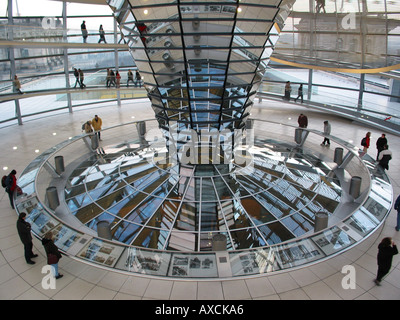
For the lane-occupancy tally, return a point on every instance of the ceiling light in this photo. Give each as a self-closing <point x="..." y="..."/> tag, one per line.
<point x="5" y="168"/>
<point x="15" y="148"/>
<point x="146" y="11"/>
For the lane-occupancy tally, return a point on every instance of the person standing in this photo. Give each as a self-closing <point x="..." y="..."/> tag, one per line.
<point x="108" y="78"/>
<point x="17" y="85"/>
<point x="118" y="79"/>
<point x="130" y="77"/>
<point x="24" y="232"/>
<point x="102" y="34"/>
<point x="11" y="186"/>
<point x="81" y="78"/>
<point x="387" y="249"/>
<point x="84" y="31"/>
<point x="96" y="124"/>
<point x="299" y="93"/>
<point x="397" y="207"/>
<point x="384" y="157"/>
<point x="76" y="74"/>
<point x="138" y="79"/>
<point x="366" y="141"/>
<point x="52" y="253"/>
<point x="327" y="132"/>
<point x="380" y="144"/>
<point x="112" y="78"/>
<point x="302" y="121"/>
<point x="288" y="90"/>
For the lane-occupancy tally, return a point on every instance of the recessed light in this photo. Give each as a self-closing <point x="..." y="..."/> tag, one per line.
<point x="37" y="150"/>
<point x="5" y="168"/>
<point x="54" y="133"/>
<point x="239" y="9"/>
<point x="146" y="11"/>
<point x="15" y="148"/>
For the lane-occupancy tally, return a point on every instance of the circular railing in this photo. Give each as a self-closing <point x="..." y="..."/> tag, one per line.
<point x="362" y="201"/>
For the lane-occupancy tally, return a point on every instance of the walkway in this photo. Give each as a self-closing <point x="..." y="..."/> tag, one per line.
<point x="322" y="281"/>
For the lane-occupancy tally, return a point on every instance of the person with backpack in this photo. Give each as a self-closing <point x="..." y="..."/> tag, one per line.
<point x="87" y="126"/>
<point x="366" y="141"/>
<point x="11" y="186"/>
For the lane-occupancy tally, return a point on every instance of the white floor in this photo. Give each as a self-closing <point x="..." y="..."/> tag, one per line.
<point x="322" y="281"/>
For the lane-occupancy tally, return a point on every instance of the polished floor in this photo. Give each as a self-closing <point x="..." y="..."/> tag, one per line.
<point x="323" y="281"/>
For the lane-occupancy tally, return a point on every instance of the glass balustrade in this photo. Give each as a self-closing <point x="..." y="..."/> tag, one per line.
<point x="172" y="221"/>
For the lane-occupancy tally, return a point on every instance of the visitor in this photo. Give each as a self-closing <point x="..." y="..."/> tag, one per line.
<point x="138" y="79"/>
<point x="302" y="121"/>
<point x="118" y="79"/>
<point x="387" y="249"/>
<point x="130" y="77"/>
<point x="380" y="144"/>
<point x="327" y="132"/>
<point x="366" y="141"/>
<point x="17" y="85"/>
<point x="11" y="186"/>
<point x="24" y="232"/>
<point x="384" y="157"/>
<point x="299" y="93"/>
<point x="81" y="78"/>
<point x="52" y="253"/>
<point x="96" y="124"/>
<point x="76" y="74"/>
<point x="84" y="31"/>
<point x="397" y="207"/>
<point x="102" y="34"/>
<point x="288" y="90"/>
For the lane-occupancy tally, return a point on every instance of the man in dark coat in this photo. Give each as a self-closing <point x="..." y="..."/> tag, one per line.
<point x="24" y="232"/>
<point x="380" y="144"/>
<point x="302" y="121"/>
<point x="387" y="249"/>
<point x="84" y="31"/>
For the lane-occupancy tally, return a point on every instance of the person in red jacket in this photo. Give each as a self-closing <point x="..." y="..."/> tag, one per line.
<point x="365" y="142"/>
<point x="11" y="186"/>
